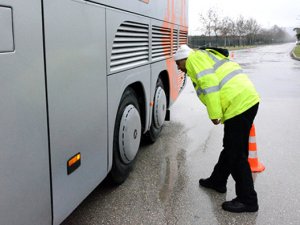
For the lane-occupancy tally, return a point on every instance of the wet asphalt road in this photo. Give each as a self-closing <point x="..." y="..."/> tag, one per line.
<point x="163" y="187"/>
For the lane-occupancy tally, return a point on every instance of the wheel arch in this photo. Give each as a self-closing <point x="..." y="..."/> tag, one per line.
<point x="141" y="95"/>
<point x="164" y="76"/>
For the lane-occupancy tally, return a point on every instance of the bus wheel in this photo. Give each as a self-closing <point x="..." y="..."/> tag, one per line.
<point x="158" y="112"/>
<point x="127" y="136"/>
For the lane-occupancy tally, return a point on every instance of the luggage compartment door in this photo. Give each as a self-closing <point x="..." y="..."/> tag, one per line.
<point x="77" y="98"/>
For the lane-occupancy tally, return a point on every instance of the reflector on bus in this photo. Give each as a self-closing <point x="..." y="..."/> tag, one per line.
<point x="73" y="163"/>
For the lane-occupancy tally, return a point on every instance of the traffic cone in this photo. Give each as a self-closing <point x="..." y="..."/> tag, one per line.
<point x="255" y="165"/>
<point x="232" y="55"/>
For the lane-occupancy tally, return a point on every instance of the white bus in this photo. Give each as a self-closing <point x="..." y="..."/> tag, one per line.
<point x="81" y="82"/>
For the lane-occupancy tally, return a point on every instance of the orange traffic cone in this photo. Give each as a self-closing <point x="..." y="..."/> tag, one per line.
<point x="232" y="55"/>
<point x="255" y="165"/>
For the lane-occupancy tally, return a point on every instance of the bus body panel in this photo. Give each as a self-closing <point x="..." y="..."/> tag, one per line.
<point x="174" y="11"/>
<point x="77" y="99"/>
<point x="25" y="196"/>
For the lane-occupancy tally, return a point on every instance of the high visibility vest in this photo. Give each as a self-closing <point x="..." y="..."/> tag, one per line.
<point x="220" y="84"/>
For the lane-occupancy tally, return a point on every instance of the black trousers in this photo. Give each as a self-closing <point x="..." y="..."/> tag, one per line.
<point x="234" y="156"/>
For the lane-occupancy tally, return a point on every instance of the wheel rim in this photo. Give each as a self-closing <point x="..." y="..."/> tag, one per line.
<point x="129" y="133"/>
<point x="160" y="107"/>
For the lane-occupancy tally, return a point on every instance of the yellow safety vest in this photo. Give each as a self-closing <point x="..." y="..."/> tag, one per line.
<point x="220" y="84"/>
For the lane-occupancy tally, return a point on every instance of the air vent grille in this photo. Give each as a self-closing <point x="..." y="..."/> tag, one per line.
<point x="161" y="45"/>
<point x="183" y="37"/>
<point x="131" y="46"/>
<point x="175" y="40"/>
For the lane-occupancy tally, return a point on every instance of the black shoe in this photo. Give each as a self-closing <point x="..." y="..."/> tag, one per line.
<point x="209" y="184"/>
<point x="238" y="207"/>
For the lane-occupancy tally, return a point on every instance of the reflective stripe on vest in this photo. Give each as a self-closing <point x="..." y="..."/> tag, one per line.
<point x="218" y="64"/>
<point x="205" y="72"/>
<point x="222" y="83"/>
<point x="212" y="56"/>
<point x="229" y="76"/>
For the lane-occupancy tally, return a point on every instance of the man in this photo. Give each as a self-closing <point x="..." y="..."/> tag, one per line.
<point x="230" y="98"/>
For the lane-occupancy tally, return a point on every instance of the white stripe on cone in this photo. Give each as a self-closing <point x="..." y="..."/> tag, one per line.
<point x="252" y="154"/>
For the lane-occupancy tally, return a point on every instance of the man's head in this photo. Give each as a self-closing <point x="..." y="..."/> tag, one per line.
<point x="180" y="57"/>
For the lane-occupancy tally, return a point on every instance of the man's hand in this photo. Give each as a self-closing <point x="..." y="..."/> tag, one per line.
<point x="216" y="121"/>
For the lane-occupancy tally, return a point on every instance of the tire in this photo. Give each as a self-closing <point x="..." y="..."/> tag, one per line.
<point x="127" y="136"/>
<point x="158" y="113"/>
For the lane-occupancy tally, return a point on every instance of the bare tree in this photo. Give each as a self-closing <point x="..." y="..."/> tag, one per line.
<point x="206" y="25"/>
<point x="210" y="22"/>
<point x="240" y="28"/>
<point x="213" y="25"/>
<point x="216" y="23"/>
<point x="251" y="29"/>
<point x="278" y="34"/>
<point x="232" y="31"/>
<point x="226" y="28"/>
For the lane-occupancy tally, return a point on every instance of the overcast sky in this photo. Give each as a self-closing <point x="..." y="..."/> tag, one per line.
<point x="284" y="13"/>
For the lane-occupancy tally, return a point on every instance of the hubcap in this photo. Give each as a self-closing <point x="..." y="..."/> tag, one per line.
<point x="160" y="107"/>
<point x="129" y="133"/>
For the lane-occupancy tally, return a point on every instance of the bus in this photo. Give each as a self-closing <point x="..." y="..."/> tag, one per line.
<point x="82" y="82"/>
